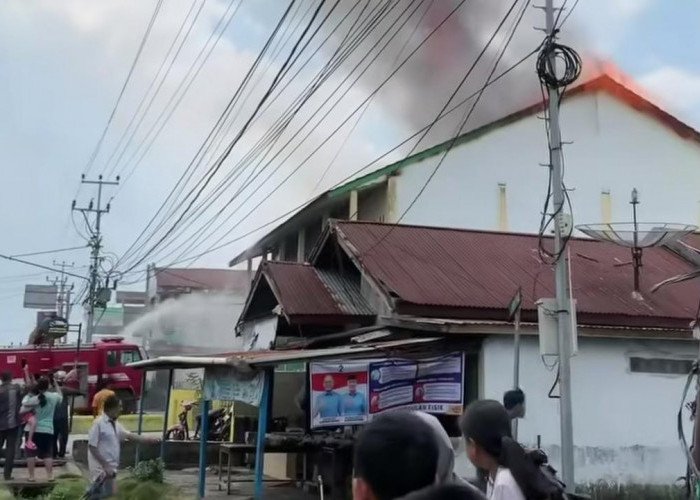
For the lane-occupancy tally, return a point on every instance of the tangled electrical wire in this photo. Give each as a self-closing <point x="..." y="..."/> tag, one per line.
<point x="548" y="62"/>
<point x="553" y="53"/>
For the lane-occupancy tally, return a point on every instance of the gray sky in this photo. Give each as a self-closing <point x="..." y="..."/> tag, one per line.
<point x="64" y="62"/>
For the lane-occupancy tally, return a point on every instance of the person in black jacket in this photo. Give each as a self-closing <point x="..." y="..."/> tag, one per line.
<point x="397" y="458"/>
<point x="10" y="402"/>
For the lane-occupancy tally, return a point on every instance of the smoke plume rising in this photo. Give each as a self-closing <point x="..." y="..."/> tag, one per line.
<point x="197" y="323"/>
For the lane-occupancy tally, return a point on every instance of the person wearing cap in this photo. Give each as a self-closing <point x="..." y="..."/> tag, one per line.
<point x="60" y="420"/>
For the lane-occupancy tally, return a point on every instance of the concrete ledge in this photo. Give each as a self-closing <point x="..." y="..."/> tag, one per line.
<point x="152" y="422"/>
<point x="178" y="454"/>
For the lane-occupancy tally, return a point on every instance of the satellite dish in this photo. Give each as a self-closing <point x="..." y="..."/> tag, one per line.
<point x="637" y="236"/>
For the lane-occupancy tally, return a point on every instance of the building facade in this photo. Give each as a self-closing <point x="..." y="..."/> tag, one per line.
<point x="634" y="351"/>
<point x="493" y="177"/>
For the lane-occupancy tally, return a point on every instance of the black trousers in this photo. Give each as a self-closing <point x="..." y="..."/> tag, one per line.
<point x="60" y="433"/>
<point x="8" y="438"/>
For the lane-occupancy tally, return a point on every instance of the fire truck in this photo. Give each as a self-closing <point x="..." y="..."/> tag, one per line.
<point x="106" y="359"/>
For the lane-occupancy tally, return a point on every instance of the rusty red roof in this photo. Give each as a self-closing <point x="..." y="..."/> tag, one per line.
<point x="202" y="279"/>
<point x="303" y="290"/>
<point x="465" y="273"/>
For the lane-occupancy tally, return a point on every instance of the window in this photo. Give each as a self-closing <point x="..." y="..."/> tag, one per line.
<point x="112" y="359"/>
<point x="130" y="357"/>
<point x="661" y="366"/>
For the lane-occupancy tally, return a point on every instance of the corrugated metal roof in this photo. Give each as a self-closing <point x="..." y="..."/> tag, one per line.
<point x="346" y="293"/>
<point x="265" y="358"/>
<point x="440" y="267"/>
<point x="301" y="290"/>
<point x="202" y="279"/>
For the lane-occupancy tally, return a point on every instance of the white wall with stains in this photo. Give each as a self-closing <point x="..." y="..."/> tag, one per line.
<point x="624" y="423"/>
<point x="614" y="148"/>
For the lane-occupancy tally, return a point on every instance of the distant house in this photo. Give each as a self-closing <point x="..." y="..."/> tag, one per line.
<point x="171" y="282"/>
<point x="633" y="355"/>
<point x="493" y="177"/>
<point x="203" y="319"/>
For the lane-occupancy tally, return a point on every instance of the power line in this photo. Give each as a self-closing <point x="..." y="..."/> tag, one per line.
<point x="236" y="171"/>
<point x="182" y="89"/>
<point x="240" y="133"/>
<point x="218" y="123"/>
<point x="108" y="171"/>
<point x="145" y="37"/>
<point x="345" y="121"/>
<point x="468" y="114"/>
<point x="220" y="185"/>
<point x="40" y="266"/>
<point x="218" y="246"/>
<point x="44" y="252"/>
<point x="337" y="128"/>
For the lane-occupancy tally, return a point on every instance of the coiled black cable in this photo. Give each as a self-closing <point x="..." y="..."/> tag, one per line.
<point x="555" y="52"/>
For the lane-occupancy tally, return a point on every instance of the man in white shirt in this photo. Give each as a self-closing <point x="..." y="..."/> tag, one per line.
<point x="104" y="445"/>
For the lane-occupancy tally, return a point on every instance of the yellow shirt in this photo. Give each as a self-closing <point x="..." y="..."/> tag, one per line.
<point x="98" y="401"/>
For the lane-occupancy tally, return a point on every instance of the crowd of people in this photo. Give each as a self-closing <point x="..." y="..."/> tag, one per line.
<point x="409" y="456"/>
<point x="37" y="415"/>
<point x="36" y="412"/>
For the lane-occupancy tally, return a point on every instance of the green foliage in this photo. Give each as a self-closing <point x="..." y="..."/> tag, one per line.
<point x="132" y="488"/>
<point x="613" y="491"/>
<point x="67" y="489"/>
<point x="148" y="470"/>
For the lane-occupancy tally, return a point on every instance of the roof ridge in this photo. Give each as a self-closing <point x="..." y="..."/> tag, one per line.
<point x="460" y="230"/>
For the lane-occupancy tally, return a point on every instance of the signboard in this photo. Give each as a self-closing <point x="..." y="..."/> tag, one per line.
<point x="352" y="393"/>
<point x="40" y="296"/>
<point x="109" y="316"/>
<point x="226" y="384"/>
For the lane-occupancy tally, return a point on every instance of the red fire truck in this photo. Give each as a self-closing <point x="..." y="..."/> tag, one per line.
<point x="106" y="359"/>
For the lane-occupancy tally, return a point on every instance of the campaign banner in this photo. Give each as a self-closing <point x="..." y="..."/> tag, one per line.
<point x="353" y="393"/>
<point x="225" y="384"/>
<point x="434" y="385"/>
<point x="338" y="394"/>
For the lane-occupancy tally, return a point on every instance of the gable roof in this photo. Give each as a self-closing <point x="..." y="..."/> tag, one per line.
<point x="440" y="272"/>
<point x="610" y="81"/>
<point x="304" y="292"/>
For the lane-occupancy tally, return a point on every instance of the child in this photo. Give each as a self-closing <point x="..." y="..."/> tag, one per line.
<point x="486" y="426"/>
<point x="27" y="413"/>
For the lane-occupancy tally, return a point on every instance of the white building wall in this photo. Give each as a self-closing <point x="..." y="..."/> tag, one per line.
<point x="615" y="148"/>
<point x="624" y="423"/>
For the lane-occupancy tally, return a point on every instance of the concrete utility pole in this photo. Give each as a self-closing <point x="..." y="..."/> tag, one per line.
<point x="63" y="305"/>
<point x="63" y="298"/>
<point x="96" y="246"/>
<point x="561" y="278"/>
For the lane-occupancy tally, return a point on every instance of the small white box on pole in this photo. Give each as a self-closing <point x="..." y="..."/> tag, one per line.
<point x="547" y="326"/>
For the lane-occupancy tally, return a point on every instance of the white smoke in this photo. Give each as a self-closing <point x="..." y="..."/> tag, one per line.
<point x="197" y="323"/>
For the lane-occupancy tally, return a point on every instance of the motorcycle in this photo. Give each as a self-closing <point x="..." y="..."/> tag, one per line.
<point x="181" y="430"/>
<point x="219" y="424"/>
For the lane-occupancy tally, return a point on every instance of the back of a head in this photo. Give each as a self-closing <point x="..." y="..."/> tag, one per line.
<point x="513" y="398"/>
<point x="486" y="422"/>
<point x="111" y="404"/>
<point x="42" y="384"/>
<point x="447" y="492"/>
<point x="6" y="377"/>
<point x="395" y="455"/>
